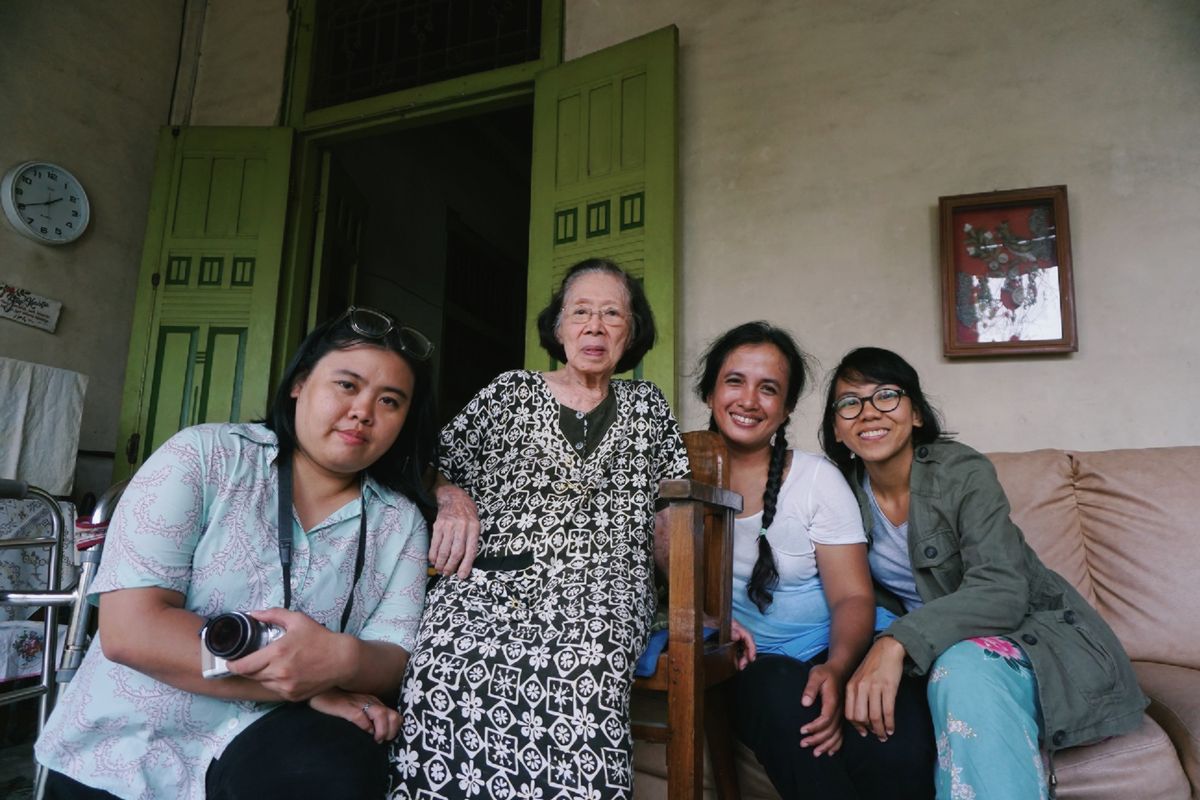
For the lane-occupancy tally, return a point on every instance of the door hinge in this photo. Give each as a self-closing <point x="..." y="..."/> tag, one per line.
<point x="131" y="448"/>
<point x="154" y="280"/>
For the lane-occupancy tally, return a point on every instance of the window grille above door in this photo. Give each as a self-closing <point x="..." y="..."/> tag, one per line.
<point x="366" y="48"/>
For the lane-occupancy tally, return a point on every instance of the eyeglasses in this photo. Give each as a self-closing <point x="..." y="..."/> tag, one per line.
<point x="611" y="316"/>
<point x="884" y="399"/>
<point x="372" y="324"/>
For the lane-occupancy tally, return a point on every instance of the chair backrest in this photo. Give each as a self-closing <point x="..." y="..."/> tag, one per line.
<point x="708" y="458"/>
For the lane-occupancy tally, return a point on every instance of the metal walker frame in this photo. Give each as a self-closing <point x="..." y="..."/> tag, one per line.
<point x="53" y="598"/>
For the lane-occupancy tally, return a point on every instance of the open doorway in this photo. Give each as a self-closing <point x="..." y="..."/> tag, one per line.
<point x="431" y="224"/>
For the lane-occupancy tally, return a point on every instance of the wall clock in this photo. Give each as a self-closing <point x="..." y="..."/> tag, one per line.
<point x="44" y="202"/>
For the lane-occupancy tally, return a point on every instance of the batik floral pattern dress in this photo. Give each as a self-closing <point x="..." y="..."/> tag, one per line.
<point x="519" y="684"/>
<point x="976" y="740"/>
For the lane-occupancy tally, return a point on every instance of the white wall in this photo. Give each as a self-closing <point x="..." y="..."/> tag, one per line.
<point x="816" y="138"/>
<point x="85" y="85"/>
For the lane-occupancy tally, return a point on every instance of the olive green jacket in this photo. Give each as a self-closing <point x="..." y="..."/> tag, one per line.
<point x="978" y="577"/>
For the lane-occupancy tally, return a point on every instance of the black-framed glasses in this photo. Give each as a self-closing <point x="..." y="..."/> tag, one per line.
<point x="372" y="324"/>
<point x="885" y="399"/>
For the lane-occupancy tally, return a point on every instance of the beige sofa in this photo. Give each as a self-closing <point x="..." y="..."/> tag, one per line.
<point x="1122" y="525"/>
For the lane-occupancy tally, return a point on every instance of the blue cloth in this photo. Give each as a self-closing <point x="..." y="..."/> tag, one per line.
<point x="986" y="720"/>
<point x="647" y="663"/>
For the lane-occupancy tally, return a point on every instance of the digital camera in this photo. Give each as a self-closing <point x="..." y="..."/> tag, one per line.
<point x="230" y="636"/>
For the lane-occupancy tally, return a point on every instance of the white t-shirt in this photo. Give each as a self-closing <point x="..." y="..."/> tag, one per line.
<point x="815" y="505"/>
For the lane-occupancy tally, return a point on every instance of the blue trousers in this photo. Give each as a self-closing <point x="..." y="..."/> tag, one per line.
<point x="983" y="698"/>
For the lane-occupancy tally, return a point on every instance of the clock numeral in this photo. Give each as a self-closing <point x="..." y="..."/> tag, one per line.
<point x="21" y="206"/>
<point x="29" y="220"/>
<point x="74" y="199"/>
<point x="74" y="213"/>
<point x="70" y="224"/>
<point x="37" y="173"/>
<point x="58" y="231"/>
<point x="27" y="179"/>
<point x="42" y="229"/>
<point x="19" y="190"/>
<point x="52" y="176"/>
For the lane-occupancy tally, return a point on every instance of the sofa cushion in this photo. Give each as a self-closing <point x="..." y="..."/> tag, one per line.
<point x="1138" y="509"/>
<point x="1175" y="705"/>
<point x="1142" y="763"/>
<point x="1040" y="488"/>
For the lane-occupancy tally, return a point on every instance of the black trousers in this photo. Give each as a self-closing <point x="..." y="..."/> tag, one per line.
<point x="292" y="752"/>
<point x="768" y="718"/>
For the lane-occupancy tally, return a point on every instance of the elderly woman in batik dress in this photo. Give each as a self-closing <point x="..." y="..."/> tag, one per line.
<point x="519" y="684"/>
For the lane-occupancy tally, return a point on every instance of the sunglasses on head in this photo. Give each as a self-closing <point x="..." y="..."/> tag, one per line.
<point x="372" y="324"/>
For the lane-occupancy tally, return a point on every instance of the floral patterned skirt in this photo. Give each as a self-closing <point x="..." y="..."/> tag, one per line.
<point x="983" y="697"/>
<point x="519" y="688"/>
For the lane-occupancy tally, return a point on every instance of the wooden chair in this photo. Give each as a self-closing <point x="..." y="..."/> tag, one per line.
<point x="699" y="522"/>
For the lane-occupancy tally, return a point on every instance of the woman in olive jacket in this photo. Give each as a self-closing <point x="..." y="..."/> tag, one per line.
<point x="1015" y="657"/>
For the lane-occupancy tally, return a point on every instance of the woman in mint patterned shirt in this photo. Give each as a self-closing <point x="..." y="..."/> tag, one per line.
<point x="196" y="535"/>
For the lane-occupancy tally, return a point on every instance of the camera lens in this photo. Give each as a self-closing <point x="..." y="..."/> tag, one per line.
<point x="231" y="635"/>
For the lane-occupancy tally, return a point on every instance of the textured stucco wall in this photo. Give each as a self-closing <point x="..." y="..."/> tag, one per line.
<point x="86" y="85"/>
<point x="240" y="69"/>
<point x="816" y="137"/>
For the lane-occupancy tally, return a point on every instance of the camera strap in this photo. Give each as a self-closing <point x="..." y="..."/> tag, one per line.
<point x="285" y="536"/>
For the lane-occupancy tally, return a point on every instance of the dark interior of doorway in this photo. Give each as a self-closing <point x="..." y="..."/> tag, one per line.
<point x="444" y="241"/>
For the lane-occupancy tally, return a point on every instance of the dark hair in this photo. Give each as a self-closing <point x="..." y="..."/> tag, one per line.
<point x="876" y="365"/>
<point x="765" y="575"/>
<point x="401" y="468"/>
<point x="641" y="333"/>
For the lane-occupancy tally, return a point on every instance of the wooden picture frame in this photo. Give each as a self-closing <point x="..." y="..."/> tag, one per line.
<point x="1007" y="285"/>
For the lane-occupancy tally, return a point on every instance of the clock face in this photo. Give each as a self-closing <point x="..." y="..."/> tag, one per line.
<point x="44" y="202"/>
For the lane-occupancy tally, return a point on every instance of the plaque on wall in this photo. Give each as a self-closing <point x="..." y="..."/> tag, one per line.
<point x="27" y="308"/>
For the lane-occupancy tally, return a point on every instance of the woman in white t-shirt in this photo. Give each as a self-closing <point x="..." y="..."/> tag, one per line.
<point x="803" y="602"/>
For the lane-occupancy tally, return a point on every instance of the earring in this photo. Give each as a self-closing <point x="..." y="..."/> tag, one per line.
<point x="852" y="456"/>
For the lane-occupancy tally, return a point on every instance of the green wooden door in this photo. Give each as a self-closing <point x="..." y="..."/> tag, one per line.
<point x="204" y="317"/>
<point x="603" y="180"/>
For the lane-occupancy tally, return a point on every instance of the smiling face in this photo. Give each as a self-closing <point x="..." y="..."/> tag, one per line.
<point x="351" y="407"/>
<point x="874" y="436"/>
<point x="748" y="401"/>
<point x="595" y="324"/>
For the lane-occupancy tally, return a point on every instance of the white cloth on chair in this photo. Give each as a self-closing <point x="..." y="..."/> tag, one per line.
<point x="41" y="409"/>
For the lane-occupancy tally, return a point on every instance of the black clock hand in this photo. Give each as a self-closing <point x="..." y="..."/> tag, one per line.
<point x="43" y="203"/>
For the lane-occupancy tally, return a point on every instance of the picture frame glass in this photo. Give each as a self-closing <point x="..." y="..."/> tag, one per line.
<point x="1007" y="281"/>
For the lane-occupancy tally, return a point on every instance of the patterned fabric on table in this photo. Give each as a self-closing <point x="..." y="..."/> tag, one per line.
<point x="199" y="518"/>
<point x="520" y="683"/>
<point x="21" y="647"/>
<point x="28" y="567"/>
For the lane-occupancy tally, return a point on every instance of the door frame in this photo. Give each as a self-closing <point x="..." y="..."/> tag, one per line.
<point x="316" y="131"/>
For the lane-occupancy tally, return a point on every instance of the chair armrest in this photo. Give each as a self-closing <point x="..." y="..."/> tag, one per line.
<point x="687" y="489"/>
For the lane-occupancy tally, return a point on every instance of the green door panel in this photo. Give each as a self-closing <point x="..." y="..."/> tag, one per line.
<point x="205" y="313"/>
<point x="603" y="180"/>
<point x="171" y="386"/>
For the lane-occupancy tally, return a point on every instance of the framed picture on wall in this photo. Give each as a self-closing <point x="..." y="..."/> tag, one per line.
<point x="1006" y="273"/>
